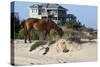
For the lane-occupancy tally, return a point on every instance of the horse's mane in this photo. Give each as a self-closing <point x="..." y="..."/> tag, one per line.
<point x="55" y="26"/>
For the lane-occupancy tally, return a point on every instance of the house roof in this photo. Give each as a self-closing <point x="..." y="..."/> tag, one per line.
<point x="34" y="6"/>
<point x="47" y="5"/>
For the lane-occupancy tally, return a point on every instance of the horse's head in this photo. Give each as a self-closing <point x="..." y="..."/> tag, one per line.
<point x="57" y="28"/>
<point x="60" y="32"/>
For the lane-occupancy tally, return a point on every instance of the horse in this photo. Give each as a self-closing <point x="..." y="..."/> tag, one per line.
<point x="43" y="25"/>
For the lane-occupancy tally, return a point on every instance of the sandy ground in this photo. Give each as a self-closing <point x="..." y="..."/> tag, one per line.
<point x="85" y="51"/>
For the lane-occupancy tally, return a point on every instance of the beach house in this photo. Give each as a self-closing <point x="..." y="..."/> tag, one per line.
<point x="53" y="11"/>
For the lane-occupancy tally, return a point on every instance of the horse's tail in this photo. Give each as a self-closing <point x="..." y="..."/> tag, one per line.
<point x="25" y="30"/>
<point x="24" y="25"/>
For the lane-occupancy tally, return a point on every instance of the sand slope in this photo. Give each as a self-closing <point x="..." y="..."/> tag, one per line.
<point x="86" y="51"/>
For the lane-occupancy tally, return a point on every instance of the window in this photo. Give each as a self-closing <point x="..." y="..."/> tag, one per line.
<point x="35" y="10"/>
<point x="43" y="11"/>
<point x="32" y="10"/>
<point x="39" y="12"/>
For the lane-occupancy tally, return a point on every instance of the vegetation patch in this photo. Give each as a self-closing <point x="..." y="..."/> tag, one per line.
<point x="37" y="44"/>
<point x="51" y="42"/>
<point x="34" y="35"/>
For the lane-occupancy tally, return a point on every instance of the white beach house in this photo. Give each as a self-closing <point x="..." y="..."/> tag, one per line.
<point x="54" y="11"/>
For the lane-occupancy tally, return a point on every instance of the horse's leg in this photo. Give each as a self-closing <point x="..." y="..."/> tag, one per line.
<point x="40" y="34"/>
<point x="29" y="36"/>
<point x="45" y="35"/>
<point x="25" y="38"/>
<point x="25" y="35"/>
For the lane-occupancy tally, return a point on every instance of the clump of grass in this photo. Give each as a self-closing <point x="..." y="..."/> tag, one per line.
<point x="72" y="36"/>
<point x="37" y="44"/>
<point x="51" y="42"/>
<point x="90" y="37"/>
<point x="20" y="35"/>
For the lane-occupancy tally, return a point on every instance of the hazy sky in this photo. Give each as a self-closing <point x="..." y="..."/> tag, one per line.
<point x="86" y="14"/>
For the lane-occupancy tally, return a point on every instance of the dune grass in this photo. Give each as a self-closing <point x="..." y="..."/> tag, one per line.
<point x="51" y="42"/>
<point x="37" y="44"/>
<point x="40" y="43"/>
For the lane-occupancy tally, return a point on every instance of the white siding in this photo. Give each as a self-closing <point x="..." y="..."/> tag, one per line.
<point x="33" y="12"/>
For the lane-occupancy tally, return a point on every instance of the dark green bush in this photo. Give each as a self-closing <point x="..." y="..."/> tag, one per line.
<point x="15" y="35"/>
<point x="90" y="37"/>
<point x="34" y="35"/>
<point x="75" y="25"/>
<point x="21" y="34"/>
<point x="72" y="36"/>
<point x="37" y="44"/>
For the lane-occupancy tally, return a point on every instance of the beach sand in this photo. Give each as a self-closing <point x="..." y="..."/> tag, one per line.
<point x="82" y="52"/>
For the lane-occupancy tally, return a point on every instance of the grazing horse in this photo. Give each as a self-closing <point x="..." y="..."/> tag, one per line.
<point x="40" y="25"/>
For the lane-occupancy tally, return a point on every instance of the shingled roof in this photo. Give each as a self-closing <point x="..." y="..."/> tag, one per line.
<point x="47" y="5"/>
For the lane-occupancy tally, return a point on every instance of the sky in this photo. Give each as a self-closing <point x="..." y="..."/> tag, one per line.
<point x="85" y="14"/>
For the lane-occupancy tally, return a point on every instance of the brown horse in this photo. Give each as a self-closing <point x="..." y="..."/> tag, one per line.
<point x="41" y="25"/>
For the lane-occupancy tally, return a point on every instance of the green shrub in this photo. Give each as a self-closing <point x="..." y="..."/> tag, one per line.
<point x="75" y="39"/>
<point x="90" y="37"/>
<point x="21" y="34"/>
<point x="33" y="34"/>
<point x="75" y="25"/>
<point x="15" y="35"/>
<point x="37" y="44"/>
<point x="72" y="36"/>
<point x="92" y="33"/>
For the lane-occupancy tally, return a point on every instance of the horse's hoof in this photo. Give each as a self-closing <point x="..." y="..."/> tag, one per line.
<point x="30" y="42"/>
<point x="25" y="42"/>
<point x="65" y="51"/>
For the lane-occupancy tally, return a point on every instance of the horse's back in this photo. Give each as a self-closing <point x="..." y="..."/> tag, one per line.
<point x="33" y="20"/>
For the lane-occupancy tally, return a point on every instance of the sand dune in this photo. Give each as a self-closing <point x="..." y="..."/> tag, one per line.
<point x="60" y="52"/>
